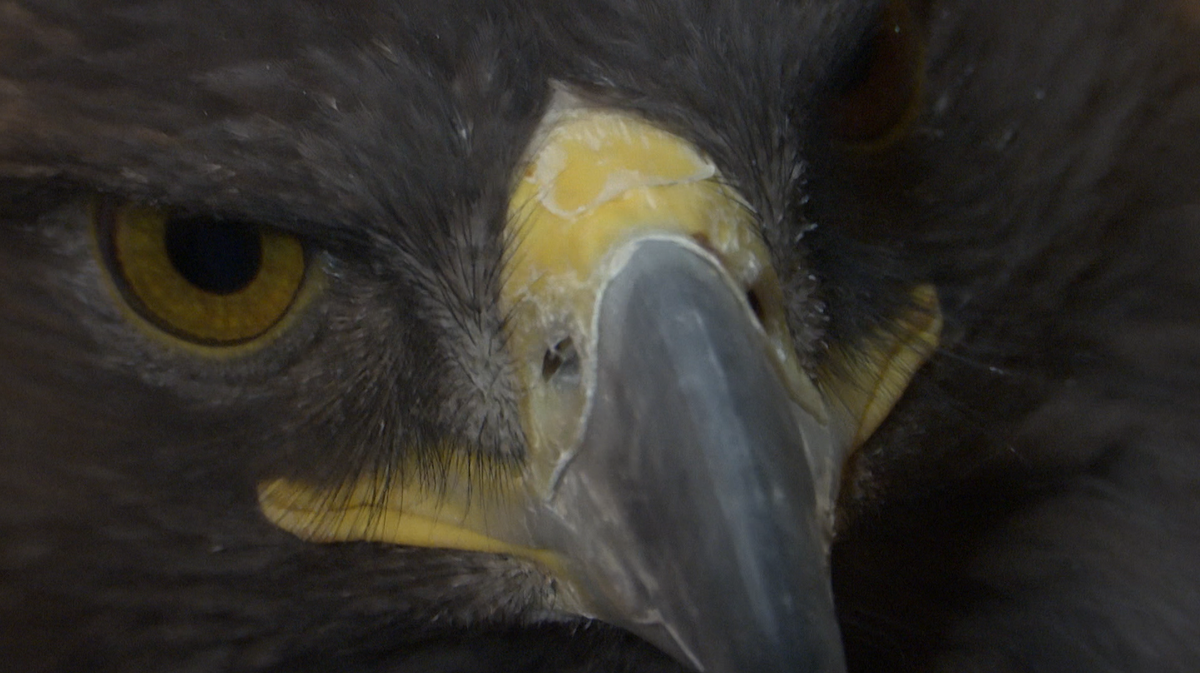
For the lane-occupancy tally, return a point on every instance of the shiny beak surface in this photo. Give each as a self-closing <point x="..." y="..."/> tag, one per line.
<point x="688" y="510"/>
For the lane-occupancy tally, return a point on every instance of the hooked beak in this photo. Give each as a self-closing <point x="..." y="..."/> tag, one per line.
<point x="682" y="466"/>
<point x="689" y="504"/>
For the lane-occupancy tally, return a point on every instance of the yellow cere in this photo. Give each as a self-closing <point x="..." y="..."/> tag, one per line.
<point x="602" y="178"/>
<point x="175" y="304"/>
<point x="599" y="179"/>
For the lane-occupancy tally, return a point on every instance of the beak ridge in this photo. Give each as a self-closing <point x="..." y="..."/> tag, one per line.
<point x="688" y="507"/>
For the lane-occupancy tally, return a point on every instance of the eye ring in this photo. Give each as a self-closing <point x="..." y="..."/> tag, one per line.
<point x="877" y="97"/>
<point x="203" y="279"/>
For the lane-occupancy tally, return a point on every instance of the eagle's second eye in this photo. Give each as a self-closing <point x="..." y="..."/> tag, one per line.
<point x="877" y="95"/>
<point x="203" y="279"/>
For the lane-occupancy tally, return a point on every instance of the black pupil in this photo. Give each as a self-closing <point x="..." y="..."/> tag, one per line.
<point x="217" y="257"/>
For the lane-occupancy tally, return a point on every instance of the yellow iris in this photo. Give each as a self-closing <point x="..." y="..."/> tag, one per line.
<point x="204" y="279"/>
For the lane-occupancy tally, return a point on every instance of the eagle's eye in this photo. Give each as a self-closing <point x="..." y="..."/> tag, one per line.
<point x="876" y="97"/>
<point x="204" y="279"/>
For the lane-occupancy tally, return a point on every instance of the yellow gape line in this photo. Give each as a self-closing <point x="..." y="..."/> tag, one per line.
<point x="407" y="516"/>
<point x="870" y="381"/>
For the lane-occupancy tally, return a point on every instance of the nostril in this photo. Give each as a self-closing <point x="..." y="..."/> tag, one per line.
<point x="752" y="293"/>
<point x="756" y="304"/>
<point x="560" y="359"/>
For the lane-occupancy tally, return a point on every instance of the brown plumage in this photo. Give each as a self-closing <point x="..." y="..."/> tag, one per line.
<point x="1031" y="504"/>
